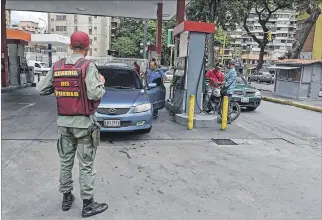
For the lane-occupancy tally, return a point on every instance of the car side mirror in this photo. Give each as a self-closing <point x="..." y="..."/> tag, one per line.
<point x="152" y="85"/>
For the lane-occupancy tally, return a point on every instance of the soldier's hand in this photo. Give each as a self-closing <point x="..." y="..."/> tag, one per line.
<point x="102" y="79"/>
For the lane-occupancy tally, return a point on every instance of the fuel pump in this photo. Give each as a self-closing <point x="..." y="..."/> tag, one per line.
<point x="189" y="65"/>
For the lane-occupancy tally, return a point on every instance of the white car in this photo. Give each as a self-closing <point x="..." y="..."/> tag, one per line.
<point x="39" y="67"/>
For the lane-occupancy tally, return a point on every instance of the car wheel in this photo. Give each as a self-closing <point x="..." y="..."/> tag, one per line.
<point x="251" y="108"/>
<point x="258" y="81"/>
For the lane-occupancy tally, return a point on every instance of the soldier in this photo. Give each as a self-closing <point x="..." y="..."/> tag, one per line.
<point x="78" y="88"/>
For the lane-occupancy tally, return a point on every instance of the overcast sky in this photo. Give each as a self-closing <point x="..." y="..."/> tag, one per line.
<point x="17" y="16"/>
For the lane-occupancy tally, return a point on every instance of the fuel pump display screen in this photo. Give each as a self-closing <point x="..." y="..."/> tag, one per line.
<point x="180" y="63"/>
<point x="180" y="66"/>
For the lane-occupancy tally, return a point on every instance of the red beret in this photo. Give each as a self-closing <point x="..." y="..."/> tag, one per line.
<point x="79" y="39"/>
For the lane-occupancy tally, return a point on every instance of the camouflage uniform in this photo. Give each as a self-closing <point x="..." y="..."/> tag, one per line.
<point x="75" y="135"/>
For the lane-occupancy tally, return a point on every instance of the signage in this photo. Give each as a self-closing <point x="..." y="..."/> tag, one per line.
<point x="180" y="63"/>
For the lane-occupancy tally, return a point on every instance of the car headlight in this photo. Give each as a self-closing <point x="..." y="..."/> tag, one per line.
<point x="142" y="108"/>
<point x="257" y="93"/>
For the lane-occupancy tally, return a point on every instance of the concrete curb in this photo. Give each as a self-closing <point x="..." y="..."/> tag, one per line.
<point x="287" y="102"/>
<point x="12" y="88"/>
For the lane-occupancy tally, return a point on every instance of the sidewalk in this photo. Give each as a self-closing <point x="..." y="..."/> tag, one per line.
<point x="313" y="105"/>
<point x="11" y="88"/>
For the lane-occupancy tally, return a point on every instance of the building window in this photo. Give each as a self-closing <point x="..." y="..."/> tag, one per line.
<point x="90" y="19"/>
<point x="95" y="38"/>
<point x="52" y="30"/>
<point x="52" y="20"/>
<point x="95" y="16"/>
<point x="95" y="28"/>
<point x="75" y="28"/>
<point x="95" y="49"/>
<point x="91" y="41"/>
<point x="61" y="28"/>
<point x="75" y="19"/>
<point x="60" y="17"/>
<point x="90" y="30"/>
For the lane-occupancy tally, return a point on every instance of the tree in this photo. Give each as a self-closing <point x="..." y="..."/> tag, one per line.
<point x="125" y="46"/>
<point x="130" y="34"/>
<point x="224" y="13"/>
<point x="265" y="9"/>
<point x="313" y="11"/>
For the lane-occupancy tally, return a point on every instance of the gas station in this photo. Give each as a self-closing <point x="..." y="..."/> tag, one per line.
<point x="189" y="41"/>
<point x="154" y="9"/>
<point x="267" y="166"/>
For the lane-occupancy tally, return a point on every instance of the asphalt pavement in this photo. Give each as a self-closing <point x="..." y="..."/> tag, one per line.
<point x="272" y="170"/>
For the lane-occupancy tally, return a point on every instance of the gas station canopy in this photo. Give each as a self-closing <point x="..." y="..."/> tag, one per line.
<point x="145" y="9"/>
<point x="54" y="39"/>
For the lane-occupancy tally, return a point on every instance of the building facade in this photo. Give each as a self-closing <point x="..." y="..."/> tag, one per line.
<point x="30" y="27"/>
<point x="282" y="25"/>
<point x="100" y="30"/>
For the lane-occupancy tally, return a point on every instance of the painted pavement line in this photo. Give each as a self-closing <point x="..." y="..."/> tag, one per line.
<point x="291" y="103"/>
<point x="27" y="105"/>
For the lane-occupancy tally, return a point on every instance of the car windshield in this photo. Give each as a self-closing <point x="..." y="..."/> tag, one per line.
<point x="44" y="65"/>
<point x="240" y="80"/>
<point x="120" y="79"/>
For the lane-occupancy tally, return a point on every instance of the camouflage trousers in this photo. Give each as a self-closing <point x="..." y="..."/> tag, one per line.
<point x="72" y="140"/>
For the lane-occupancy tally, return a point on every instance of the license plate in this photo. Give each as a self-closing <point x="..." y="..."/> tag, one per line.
<point x="244" y="99"/>
<point x="112" y="123"/>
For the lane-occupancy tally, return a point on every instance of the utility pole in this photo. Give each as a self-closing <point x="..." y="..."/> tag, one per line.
<point x="145" y="38"/>
<point x="50" y="59"/>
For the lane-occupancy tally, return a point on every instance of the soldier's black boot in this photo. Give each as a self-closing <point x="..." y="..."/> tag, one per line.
<point x="90" y="208"/>
<point x="68" y="199"/>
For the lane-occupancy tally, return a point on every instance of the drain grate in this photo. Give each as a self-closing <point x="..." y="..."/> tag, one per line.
<point x="223" y="141"/>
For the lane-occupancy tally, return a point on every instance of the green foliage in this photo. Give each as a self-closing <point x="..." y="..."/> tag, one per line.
<point x="126" y="46"/>
<point x="130" y="33"/>
<point x="220" y="36"/>
<point x="223" y="12"/>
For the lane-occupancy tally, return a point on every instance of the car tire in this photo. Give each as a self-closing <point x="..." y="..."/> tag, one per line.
<point x="251" y="108"/>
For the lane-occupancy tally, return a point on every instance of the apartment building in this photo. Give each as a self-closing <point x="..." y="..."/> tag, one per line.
<point x="8" y="18"/>
<point x="100" y="30"/>
<point x="282" y="24"/>
<point x="29" y="26"/>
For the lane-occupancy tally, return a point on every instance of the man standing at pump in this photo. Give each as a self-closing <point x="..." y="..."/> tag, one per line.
<point x="78" y="88"/>
<point x="230" y="82"/>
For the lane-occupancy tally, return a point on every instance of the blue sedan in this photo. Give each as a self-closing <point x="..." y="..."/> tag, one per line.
<point x="127" y="105"/>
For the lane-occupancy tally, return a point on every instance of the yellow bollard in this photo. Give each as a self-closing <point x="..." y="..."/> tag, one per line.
<point x="191" y="111"/>
<point x="224" y="113"/>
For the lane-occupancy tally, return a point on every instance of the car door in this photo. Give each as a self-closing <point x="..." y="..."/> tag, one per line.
<point x="157" y="95"/>
<point x="37" y="68"/>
